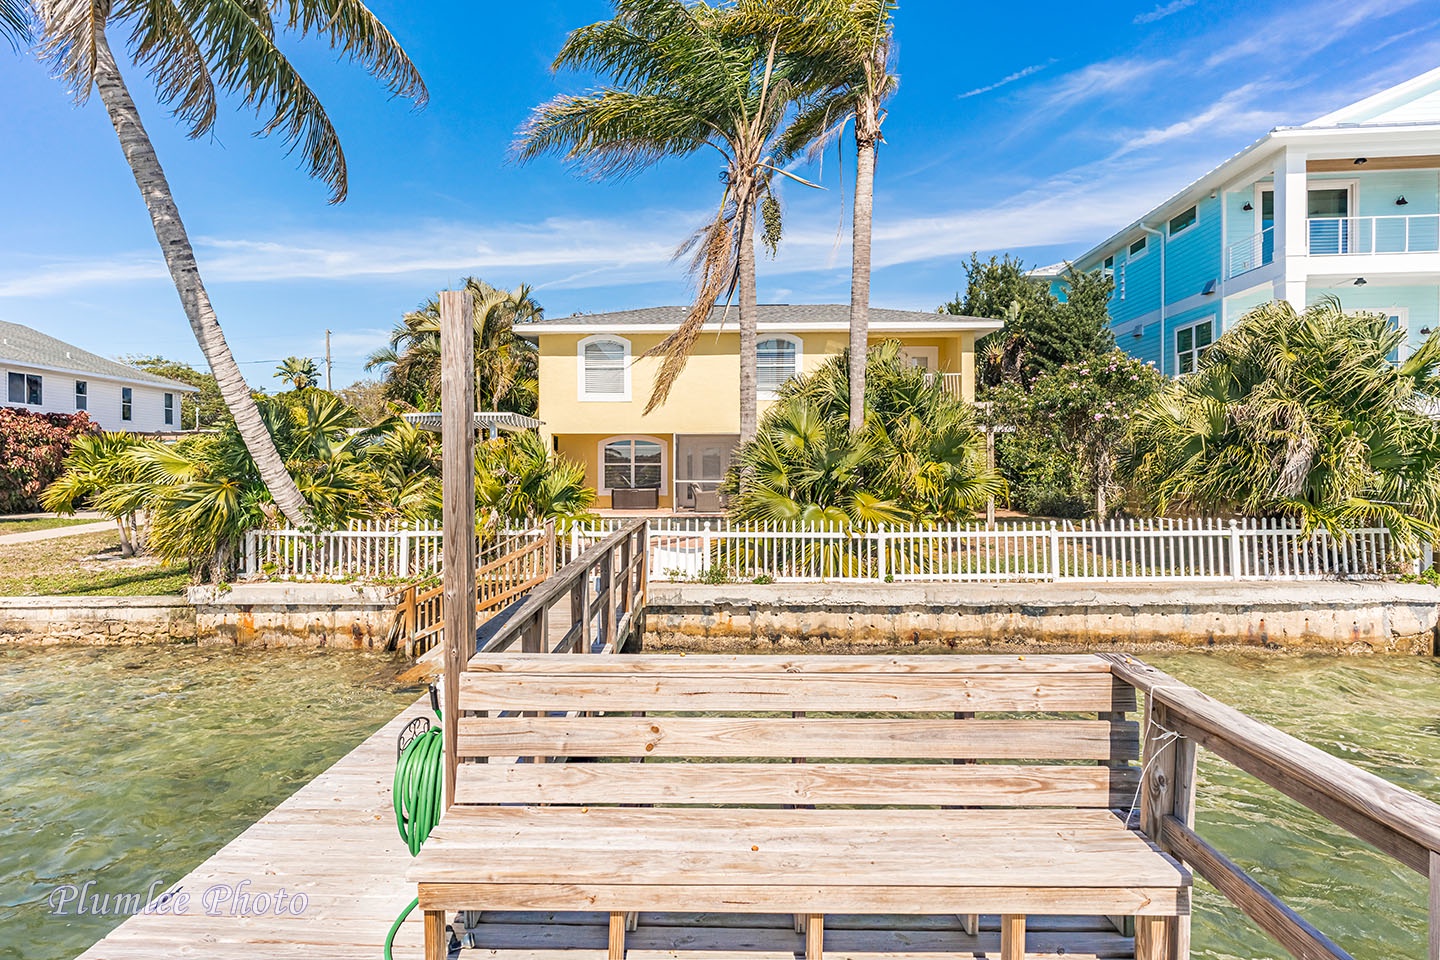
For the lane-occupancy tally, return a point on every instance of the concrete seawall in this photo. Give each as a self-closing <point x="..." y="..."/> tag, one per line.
<point x="343" y="616"/>
<point x="1329" y="616"/>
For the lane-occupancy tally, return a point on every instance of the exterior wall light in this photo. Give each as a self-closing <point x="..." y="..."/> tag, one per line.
<point x="1248" y="206"/>
<point x="1402" y="201"/>
<point x="1359" y="281"/>
<point x="1360" y="160"/>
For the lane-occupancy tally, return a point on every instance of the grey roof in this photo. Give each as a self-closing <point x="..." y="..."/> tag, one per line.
<point x="22" y="345"/>
<point x="770" y="313"/>
<point x="484" y="420"/>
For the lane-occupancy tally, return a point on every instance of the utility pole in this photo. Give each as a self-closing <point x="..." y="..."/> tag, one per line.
<point x="328" y="368"/>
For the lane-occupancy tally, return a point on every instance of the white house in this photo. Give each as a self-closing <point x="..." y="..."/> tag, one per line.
<point x="45" y="375"/>
<point x="1345" y="206"/>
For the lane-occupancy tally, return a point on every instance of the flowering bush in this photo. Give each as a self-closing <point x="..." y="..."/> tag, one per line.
<point x="32" y="448"/>
<point x="1071" y="427"/>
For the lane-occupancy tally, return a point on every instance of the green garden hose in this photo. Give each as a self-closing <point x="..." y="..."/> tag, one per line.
<point x="416" y="796"/>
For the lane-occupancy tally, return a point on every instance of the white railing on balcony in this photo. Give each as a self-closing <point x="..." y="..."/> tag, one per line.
<point x="949" y="382"/>
<point x="1334" y="236"/>
<point x="1251" y="253"/>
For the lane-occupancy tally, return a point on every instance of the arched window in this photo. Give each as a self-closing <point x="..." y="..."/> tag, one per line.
<point x="604" y="368"/>
<point x="777" y="359"/>
<point x="631" y="463"/>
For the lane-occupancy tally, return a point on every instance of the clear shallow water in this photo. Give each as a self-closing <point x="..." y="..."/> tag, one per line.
<point x="1381" y="714"/>
<point x="128" y="765"/>
<point x="135" y="764"/>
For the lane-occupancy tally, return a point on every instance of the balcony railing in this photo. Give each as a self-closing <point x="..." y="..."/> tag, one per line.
<point x="1254" y="251"/>
<point x="1335" y="236"/>
<point x="949" y="382"/>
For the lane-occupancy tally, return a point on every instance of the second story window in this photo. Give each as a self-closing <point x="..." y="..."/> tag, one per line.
<point x="26" y="388"/>
<point x="604" y="368"/>
<point x="1137" y="249"/>
<point x="777" y="359"/>
<point x="82" y="395"/>
<point x="169" y="409"/>
<point x="1108" y="268"/>
<point x="1191" y="343"/>
<point x="1183" y="221"/>
<point x="127" y="403"/>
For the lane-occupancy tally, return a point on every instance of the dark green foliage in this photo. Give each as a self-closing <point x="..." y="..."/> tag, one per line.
<point x="213" y="411"/>
<point x="1041" y="331"/>
<point x="918" y="458"/>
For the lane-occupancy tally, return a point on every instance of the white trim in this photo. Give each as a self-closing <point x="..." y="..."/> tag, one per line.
<point x="1402" y="314"/>
<point x="580" y="391"/>
<point x="1213" y="320"/>
<point x="762" y="393"/>
<point x="604" y="491"/>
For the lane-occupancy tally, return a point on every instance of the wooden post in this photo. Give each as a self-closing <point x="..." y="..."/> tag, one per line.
<point x="607" y="568"/>
<point x="1012" y="936"/>
<point x="1168" y="789"/>
<point x="1434" y="905"/>
<point x="457" y="445"/>
<point x="1151" y="938"/>
<point x="815" y="936"/>
<point x="436" y="946"/>
<point x="617" y="936"/>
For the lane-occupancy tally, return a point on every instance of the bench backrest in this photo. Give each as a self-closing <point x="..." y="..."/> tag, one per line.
<point x="822" y="730"/>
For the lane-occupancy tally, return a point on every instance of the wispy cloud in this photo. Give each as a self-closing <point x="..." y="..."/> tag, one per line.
<point x="1029" y="71"/>
<point x="1164" y="10"/>
<point x="1231" y="113"/>
<point x="1101" y="79"/>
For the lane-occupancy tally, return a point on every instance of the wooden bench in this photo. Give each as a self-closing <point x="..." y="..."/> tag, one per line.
<point x="805" y="786"/>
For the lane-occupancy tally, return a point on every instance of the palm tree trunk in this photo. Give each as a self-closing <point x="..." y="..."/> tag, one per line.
<point x="860" y="273"/>
<point x="749" y="313"/>
<point x="180" y="258"/>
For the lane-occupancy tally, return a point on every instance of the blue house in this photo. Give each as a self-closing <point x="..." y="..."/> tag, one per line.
<point x="1346" y="206"/>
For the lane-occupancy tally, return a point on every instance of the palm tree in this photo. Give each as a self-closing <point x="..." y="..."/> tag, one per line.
<point x="919" y="457"/>
<point x="847" y="46"/>
<point x="299" y="372"/>
<point x="15" y="21"/>
<point x="684" y="78"/>
<point x="1308" y="415"/>
<point x="505" y="365"/>
<point x="194" y="52"/>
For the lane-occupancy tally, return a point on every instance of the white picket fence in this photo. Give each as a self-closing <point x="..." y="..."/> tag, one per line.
<point x="698" y="547"/>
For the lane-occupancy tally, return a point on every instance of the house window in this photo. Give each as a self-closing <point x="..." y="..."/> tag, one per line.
<point x="632" y="463"/>
<point x="1191" y="343"/>
<point x="26" y="388"/>
<point x="777" y="359"/>
<point x="82" y="395"/>
<point x="1108" y="268"/>
<point x="127" y="403"/>
<point x="1138" y="247"/>
<point x="1183" y="221"/>
<point x="604" y="368"/>
<point x="169" y="409"/>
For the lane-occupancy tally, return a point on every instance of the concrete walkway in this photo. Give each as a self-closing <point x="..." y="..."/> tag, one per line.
<point x="55" y="533"/>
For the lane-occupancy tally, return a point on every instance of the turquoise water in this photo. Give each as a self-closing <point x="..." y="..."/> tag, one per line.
<point x="128" y="765"/>
<point x="134" y="764"/>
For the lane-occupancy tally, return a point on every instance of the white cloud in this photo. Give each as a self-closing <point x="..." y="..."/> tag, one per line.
<point x="1161" y="12"/>
<point x="1229" y="114"/>
<point x="1029" y="71"/>
<point x="1100" y="80"/>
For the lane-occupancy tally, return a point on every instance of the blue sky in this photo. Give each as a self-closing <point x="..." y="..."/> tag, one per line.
<point x="1037" y="130"/>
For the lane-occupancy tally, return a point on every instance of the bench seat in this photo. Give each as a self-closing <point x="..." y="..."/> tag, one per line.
<point x="795" y="861"/>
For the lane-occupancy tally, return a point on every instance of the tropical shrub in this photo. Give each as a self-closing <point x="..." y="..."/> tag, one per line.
<point x="518" y="479"/>
<point x="918" y="458"/>
<point x="100" y="472"/>
<point x="33" y="446"/>
<point x="1071" y="431"/>
<point x="1309" y="416"/>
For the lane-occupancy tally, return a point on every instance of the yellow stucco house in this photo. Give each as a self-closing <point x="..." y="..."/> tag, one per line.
<point x="595" y="380"/>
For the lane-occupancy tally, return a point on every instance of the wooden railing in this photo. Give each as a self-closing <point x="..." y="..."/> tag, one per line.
<point x="1179" y="718"/>
<point x="505" y="570"/>
<point x="606" y="586"/>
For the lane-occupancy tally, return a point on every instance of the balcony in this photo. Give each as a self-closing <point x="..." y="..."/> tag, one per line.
<point x="949" y="382"/>
<point x="1251" y="253"/>
<point x="1339" y="236"/>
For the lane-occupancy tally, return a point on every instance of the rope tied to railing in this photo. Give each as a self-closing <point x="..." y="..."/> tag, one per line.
<point x="1163" y="741"/>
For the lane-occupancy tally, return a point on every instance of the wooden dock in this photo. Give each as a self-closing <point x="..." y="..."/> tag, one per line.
<point x="334" y="841"/>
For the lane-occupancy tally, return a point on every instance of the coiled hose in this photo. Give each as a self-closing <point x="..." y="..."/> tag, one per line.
<point x="416" y="796"/>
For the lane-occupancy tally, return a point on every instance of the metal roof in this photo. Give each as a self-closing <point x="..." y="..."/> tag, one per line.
<point x="484" y="420"/>
<point x="24" y="346"/>
<point x="772" y="316"/>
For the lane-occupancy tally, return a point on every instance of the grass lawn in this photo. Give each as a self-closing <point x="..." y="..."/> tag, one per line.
<point x="8" y="525"/>
<point x="86" y="565"/>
